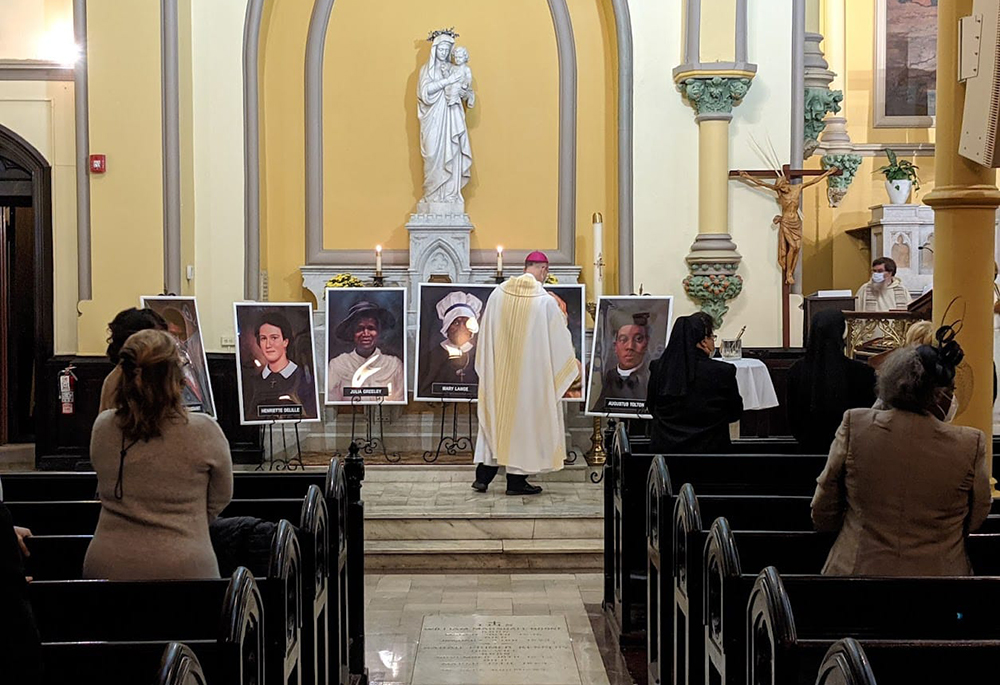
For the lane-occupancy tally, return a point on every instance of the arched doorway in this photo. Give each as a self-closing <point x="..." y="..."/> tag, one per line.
<point x="26" y="291"/>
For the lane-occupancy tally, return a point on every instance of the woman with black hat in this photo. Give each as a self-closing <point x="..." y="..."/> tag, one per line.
<point x="365" y="366"/>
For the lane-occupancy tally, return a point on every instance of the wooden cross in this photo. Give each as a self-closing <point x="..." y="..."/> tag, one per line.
<point x="789" y="223"/>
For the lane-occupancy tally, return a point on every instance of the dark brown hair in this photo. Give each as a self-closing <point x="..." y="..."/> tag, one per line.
<point x="127" y="322"/>
<point x="149" y="392"/>
<point x="888" y="263"/>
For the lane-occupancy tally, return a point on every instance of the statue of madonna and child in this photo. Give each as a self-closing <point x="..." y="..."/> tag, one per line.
<point x="443" y="89"/>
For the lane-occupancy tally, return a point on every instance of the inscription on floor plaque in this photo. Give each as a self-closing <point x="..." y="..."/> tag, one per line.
<point x="495" y="650"/>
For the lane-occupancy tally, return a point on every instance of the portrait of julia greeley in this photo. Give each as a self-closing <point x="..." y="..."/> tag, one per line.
<point x="275" y="362"/>
<point x="366" y="345"/>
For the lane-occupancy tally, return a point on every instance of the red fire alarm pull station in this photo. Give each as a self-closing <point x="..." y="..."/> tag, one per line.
<point x="98" y="164"/>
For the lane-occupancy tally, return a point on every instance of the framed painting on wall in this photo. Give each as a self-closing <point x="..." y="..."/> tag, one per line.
<point x="905" y="63"/>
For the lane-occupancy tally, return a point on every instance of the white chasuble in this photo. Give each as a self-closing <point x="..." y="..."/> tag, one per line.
<point x="526" y="363"/>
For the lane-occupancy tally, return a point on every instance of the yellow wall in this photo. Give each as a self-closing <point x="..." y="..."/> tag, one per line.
<point x="42" y="114"/>
<point x="126" y="202"/>
<point x="372" y="167"/>
<point x="831" y="257"/>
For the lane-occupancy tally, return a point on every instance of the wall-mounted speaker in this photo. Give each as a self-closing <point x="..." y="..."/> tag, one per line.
<point x="979" y="69"/>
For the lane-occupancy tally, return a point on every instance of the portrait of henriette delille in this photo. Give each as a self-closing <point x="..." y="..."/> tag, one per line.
<point x="447" y="329"/>
<point x="366" y="345"/>
<point x="631" y="332"/>
<point x="277" y="368"/>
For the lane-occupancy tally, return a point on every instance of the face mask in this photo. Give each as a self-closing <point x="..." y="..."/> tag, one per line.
<point x="952" y="410"/>
<point x="878" y="277"/>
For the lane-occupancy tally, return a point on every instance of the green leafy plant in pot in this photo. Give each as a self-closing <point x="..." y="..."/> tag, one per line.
<point x="900" y="178"/>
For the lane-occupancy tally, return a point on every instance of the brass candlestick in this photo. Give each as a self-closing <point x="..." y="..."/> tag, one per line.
<point x="596" y="456"/>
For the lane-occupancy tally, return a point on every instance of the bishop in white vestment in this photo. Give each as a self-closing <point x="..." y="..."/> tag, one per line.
<point x="526" y="363"/>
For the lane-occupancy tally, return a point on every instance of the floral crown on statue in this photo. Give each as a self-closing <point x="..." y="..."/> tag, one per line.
<point x="432" y="35"/>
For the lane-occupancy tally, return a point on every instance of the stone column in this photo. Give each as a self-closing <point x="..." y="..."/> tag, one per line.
<point x="713" y="259"/>
<point x="713" y="88"/>
<point x="835" y="142"/>
<point x="965" y="200"/>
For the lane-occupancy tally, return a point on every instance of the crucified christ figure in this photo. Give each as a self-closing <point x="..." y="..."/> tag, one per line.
<point x="789" y="222"/>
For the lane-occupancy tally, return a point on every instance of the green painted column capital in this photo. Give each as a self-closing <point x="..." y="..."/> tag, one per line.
<point x="836" y="186"/>
<point x="818" y="102"/>
<point x="714" y="95"/>
<point x="713" y="291"/>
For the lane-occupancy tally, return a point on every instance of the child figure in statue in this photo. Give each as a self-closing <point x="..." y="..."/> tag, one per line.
<point x="461" y="88"/>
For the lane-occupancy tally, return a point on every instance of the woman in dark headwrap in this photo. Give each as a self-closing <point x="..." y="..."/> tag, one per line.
<point x="692" y="397"/>
<point x="825" y="384"/>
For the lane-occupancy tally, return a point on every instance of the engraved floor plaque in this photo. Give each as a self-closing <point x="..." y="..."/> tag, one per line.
<point x="495" y="650"/>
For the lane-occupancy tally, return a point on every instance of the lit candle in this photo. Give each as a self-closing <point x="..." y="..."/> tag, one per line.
<point x="378" y="260"/>
<point x="598" y="256"/>
<point x="499" y="259"/>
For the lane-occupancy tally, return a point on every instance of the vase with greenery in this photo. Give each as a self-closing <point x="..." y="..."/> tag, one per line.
<point x="900" y="178"/>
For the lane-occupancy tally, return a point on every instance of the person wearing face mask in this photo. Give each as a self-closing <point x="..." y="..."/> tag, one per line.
<point x="884" y="292"/>
<point x="901" y="487"/>
<point x="692" y="397"/>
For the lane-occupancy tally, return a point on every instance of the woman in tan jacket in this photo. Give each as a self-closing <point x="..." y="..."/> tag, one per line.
<point x="163" y="474"/>
<point x="902" y="487"/>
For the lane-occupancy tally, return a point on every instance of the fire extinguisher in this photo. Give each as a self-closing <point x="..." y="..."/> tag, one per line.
<point x="67" y="389"/>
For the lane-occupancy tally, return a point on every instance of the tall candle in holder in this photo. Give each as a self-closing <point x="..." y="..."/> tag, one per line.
<point x="598" y="256"/>
<point x="378" y="260"/>
<point x="499" y="260"/>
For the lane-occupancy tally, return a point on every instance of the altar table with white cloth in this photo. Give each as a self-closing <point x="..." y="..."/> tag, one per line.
<point x="755" y="384"/>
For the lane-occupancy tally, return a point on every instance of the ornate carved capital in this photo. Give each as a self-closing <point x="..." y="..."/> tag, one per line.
<point x="713" y="291"/>
<point x="819" y="102"/>
<point x="714" y="95"/>
<point x="836" y="186"/>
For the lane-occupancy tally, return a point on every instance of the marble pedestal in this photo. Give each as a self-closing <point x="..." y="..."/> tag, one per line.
<point x="899" y="232"/>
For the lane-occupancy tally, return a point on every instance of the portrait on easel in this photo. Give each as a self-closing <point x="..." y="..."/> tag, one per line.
<point x="366" y="345"/>
<point x="631" y="332"/>
<point x="183" y="324"/>
<point x="276" y="368"/>
<point x="571" y="302"/>
<point x="447" y="335"/>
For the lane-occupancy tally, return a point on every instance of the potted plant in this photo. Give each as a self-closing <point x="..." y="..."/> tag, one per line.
<point x="900" y="175"/>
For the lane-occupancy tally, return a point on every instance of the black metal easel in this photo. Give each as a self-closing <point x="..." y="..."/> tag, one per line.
<point x="453" y="443"/>
<point x="285" y="463"/>
<point x="371" y="443"/>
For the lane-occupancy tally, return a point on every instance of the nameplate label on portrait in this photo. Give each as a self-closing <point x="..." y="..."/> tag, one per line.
<point x="630" y="405"/>
<point x="465" y="390"/>
<point x="279" y="410"/>
<point x="196" y="407"/>
<point x="366" y="392"/>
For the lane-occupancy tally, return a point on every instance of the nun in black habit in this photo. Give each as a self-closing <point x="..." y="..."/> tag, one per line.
<point x="825" y="384"/>
<point x="692" y="397"/>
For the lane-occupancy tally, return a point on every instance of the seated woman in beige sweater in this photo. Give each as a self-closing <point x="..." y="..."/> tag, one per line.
<point x="163" y="474"/>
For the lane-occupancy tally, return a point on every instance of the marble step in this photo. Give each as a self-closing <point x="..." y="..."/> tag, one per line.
<point x="580" y="555"/>
<point x="387" y="526"/>
<point x="408" y="473"/>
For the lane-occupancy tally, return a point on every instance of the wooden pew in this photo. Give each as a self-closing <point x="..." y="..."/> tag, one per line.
<point x="80" y="518"/>
<point x="731" y="563"/>
<point x="845" y="663"/>
<point x="281" y="591"/>
<point x="98" y="632"/>
<point x="913" y="630"/>
<point x="40" y="486"/>
<point x="776" y="475"/>
<point x="61" y="558"/>
<point x="624" y="508"/>
<point x="770" y="462"/>
<point x="180" y="666"/>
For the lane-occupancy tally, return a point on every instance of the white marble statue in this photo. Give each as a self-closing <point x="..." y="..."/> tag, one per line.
<point x="442" y="89"/>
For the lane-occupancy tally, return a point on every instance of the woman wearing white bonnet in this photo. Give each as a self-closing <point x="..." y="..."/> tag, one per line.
<point x="453" y="360"/>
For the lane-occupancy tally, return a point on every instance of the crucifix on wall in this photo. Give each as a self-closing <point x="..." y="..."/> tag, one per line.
<point x="789" y="222"/>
